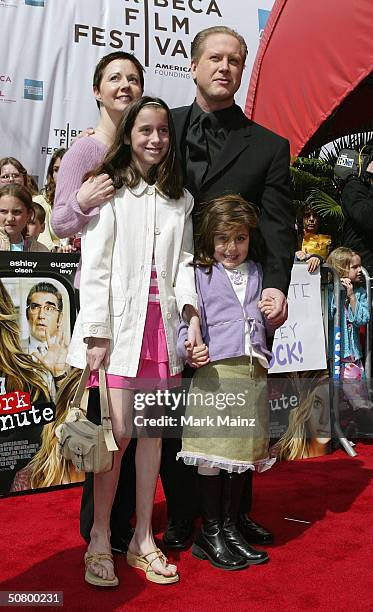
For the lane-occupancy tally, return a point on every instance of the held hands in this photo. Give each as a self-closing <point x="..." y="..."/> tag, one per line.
<point x="95" y="191"/>
<point x="301" y="255"/>
<point x="197" y="351"/>
<point x="54" y="359"/>
<point x="97" y="352"/>
<point x="274" y="306"/>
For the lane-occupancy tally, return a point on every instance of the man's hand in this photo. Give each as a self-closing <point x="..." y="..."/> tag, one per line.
<point x="95" y="191"/>
<point x="275" y="306"/>
<point x="97" y="352"/>
<point x="54" y="359"/>
<point x="198" y="355"/>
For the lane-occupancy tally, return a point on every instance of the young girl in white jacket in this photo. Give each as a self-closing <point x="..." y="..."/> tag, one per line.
<point x="136" y="281"/>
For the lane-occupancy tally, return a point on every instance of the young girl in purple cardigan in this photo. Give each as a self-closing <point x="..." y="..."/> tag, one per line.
<point x="226" y="429"/>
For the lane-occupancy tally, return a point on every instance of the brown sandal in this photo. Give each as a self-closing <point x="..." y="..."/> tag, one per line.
<point x="145" y="564"/>
<point x="91" y="577"/>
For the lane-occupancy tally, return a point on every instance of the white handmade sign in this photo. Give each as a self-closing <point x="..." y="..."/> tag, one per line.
<point x="299" y="344"/>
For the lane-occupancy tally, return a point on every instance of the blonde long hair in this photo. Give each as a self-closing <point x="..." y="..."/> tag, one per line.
<point x="48" y="468"/>
<point x="294" y="443"/>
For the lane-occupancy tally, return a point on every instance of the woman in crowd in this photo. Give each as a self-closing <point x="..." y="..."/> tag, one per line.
<point x="46" y="199"/>
<point x="12" y="171"/>
<point x="118" y="80"/>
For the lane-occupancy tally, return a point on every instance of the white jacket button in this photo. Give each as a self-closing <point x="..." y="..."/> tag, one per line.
<point x="93" y="329"/>
<point x="150" y="191"/>
<point x="163" y="274"/>
<point x="168" y="315"/>
<point x="157" y="231"/>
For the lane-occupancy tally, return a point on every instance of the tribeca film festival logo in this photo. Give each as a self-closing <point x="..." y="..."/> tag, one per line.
<point x="62" y="137"/>
<point x="166" y="22"/>
<point x="33" y="90"/>
<point x="5" y="83"/>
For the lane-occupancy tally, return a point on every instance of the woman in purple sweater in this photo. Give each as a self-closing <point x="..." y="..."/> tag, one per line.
<point x="118" y="80"/>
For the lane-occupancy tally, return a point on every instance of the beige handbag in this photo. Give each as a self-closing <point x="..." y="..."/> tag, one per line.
<point x="90" y="447"/>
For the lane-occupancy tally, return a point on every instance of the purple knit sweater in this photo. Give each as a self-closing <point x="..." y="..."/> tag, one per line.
<point x="67" y="217"/>
<point x="85" y="155"/>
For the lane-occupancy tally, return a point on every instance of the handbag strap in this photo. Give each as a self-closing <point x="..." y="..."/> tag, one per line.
<point x="76" y="404"/>
<point x="105" y="412"/>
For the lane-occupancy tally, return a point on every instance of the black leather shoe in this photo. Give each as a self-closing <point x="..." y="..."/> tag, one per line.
<point x="120" y="543"/>
<point x="178" y="533"/>
<point x="253" y="532"/>
<point x="210" y="544"/>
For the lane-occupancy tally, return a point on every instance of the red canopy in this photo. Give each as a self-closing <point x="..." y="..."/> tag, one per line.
<point x="310" y="80"/>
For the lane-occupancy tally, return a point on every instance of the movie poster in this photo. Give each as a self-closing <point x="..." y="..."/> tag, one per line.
<point x="37" y="315"/>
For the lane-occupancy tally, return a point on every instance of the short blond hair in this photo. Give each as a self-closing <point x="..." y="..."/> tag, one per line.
<point x="200" y="38"/>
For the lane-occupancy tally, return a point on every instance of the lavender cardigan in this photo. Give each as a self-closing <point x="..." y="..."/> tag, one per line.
<point x="222" y="316"/>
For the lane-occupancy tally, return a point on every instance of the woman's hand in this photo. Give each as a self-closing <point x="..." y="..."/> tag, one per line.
<point x="95" y="191"/>
<point x="97" y="352"/>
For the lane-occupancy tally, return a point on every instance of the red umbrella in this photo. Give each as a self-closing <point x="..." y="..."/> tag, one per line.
<point x="310" y="81"/>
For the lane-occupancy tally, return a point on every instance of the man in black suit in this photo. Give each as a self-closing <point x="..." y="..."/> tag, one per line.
<point x="221" y="152"/>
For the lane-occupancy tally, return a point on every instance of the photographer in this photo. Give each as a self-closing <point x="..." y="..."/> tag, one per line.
<point x="357" y="204"/>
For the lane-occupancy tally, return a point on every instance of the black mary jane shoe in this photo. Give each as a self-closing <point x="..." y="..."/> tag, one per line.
<point x="178" y="534"/>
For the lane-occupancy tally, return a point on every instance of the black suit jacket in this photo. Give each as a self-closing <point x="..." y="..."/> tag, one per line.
<point x="255" y="164"/>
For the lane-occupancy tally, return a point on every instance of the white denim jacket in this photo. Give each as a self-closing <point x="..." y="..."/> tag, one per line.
<point x="117" y="252"/>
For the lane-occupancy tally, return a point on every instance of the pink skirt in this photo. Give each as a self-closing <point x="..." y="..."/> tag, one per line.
<point x="153" y="371"/>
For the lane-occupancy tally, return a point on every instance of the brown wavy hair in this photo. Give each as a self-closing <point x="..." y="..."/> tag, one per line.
<point x="118" y="162"/>
<point x="226" y="213"/>
<point x="49" y="188"/>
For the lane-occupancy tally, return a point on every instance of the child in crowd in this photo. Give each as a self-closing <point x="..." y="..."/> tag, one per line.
<point x="136" y="278"/>
<point x="235" y="360"/>
<point x="354" y="314"/>
<point x="36" y="226"/>
<point x="16" y="211"/>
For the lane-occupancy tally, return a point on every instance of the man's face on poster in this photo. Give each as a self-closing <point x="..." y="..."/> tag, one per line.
<point x="43" y="314"/>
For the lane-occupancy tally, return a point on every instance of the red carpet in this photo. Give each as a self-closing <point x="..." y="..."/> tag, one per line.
<point x="326" y="565"/>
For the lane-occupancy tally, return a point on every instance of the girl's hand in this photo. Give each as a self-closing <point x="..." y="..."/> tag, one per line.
<point x="312" y="264"/>
<point x="97" y="352"/>
<point x="198" y="356"/>
<point x="95" y="191"/>
<point x="347" y="284"/>
<point x="194" y="330"/>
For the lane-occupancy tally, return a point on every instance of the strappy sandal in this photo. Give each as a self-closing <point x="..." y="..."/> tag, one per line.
<point x="144" y="562"/>
<point x="91" y="577"/>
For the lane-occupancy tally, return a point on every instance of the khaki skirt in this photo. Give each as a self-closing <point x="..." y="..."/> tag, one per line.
<point x="226" y="422"/>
